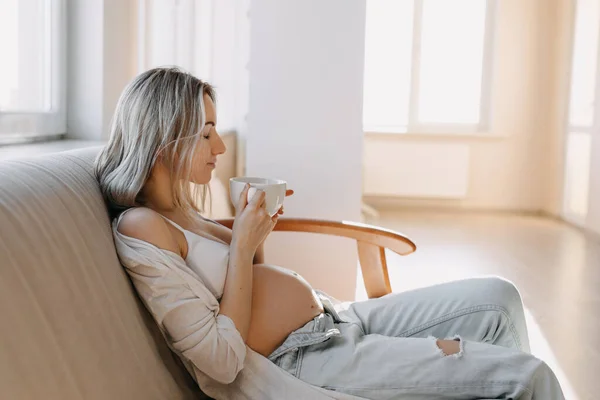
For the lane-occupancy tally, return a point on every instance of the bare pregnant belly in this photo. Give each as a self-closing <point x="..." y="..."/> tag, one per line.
<point x="282" y="301"/>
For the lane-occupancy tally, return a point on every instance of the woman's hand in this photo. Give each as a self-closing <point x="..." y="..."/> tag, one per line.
<point x="252" y="223"/>
<point x="288" y="193"/>
<point x="259" y="255"/>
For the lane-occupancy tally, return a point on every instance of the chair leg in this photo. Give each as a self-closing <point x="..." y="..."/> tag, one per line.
<point x="374" y="269"/>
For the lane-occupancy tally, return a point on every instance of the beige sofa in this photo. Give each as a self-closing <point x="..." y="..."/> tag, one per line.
<point x="71" y="325"/>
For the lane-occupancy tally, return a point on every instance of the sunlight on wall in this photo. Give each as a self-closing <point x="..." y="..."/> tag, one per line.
<point x="577" y="174"/>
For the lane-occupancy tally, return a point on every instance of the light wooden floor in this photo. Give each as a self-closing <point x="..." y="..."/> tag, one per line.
<point x="555" y="266"/>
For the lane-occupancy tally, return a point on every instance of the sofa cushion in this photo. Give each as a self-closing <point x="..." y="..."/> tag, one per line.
<point x="72" y="326"/>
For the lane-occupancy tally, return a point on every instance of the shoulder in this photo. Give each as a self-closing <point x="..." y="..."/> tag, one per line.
<point x="145" y="224"/>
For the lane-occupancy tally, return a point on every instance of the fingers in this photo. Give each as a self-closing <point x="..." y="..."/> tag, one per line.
<point x="243" y="200"/>
<point x="258" y="199"/>
<point x="289" y="192"/>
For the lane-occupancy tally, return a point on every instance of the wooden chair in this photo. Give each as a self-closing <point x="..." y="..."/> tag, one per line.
<point x="371" y="242"/>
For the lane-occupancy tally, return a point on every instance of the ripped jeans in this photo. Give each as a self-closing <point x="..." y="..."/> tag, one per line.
<point x="386" y="348"/>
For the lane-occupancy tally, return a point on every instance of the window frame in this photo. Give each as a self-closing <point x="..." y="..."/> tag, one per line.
<point x="570" y="128"/>
<point x="27" y="126"/>
<point x="594" y="127"/>
<point x="414" y="126"/>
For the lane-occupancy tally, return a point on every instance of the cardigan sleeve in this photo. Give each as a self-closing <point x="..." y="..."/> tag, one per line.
<point x="188" y="317"/>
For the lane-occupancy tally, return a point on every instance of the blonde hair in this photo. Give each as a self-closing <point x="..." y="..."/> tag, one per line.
<point x="159" y="113"/>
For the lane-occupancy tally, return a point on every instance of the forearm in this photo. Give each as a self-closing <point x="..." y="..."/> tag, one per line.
<point x="259" y="256"/>
<point x="236" y="302"/>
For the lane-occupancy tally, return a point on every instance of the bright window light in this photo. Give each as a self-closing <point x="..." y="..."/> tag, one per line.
<point x="427" y="65"/>
<point x="452" y="43"/>
<point x="32" y="70"/>
<point x="25" y="70"/>
<point x="585" y="56"/>
<point x="388" y="52"/>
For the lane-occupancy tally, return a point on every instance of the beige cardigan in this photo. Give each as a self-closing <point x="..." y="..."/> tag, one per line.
<point x="207" y="342"/>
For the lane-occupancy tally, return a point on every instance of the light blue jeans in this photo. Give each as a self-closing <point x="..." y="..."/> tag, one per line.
<point x="386" y="348"/>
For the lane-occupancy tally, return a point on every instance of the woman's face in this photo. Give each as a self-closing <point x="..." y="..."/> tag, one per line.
<point x="209" y="146"/>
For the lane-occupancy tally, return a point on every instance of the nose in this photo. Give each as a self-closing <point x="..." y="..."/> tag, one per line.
<point x="218" y="146"/>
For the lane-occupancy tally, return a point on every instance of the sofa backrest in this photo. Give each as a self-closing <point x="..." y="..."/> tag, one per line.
<point x="71" y="325"/>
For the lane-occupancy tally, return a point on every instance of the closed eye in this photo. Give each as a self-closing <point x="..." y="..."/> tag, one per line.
<point x="206" y="126"/>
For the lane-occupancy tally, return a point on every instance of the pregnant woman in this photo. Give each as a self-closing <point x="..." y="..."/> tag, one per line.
<point x="245" y="329"/>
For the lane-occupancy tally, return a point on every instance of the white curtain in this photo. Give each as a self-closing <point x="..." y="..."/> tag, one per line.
<point x="208" y="38"/>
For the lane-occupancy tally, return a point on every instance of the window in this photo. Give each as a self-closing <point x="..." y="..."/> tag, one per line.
<point x="200" y="36"/>
<point x="32" y="85"/>
<point x="583" y="121"/>
<point x="585" y="66"/>
<point x="427" y="65"/>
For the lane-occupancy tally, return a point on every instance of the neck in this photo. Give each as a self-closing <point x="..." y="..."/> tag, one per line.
<point x="157" y="192"/>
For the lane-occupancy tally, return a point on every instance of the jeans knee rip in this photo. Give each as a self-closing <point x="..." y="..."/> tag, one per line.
<point x="439" y="351"/>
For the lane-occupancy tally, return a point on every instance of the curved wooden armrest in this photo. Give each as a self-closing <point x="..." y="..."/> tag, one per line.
<point x="371" y="241"/>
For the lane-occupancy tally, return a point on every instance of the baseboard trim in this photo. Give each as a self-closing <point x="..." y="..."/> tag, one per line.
<point x="382" y="208"/>
<point x="582" y="229"/>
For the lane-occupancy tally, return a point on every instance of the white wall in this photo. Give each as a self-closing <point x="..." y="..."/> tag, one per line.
<point x="84" y="69"/>
<point x="305" y="126"/>
<point x="119" y="54"/>
<point x="559" y="38"/>
<point x="593" y="217"/>
<point x="516" y="165"/>
<point x="101" y="60"/>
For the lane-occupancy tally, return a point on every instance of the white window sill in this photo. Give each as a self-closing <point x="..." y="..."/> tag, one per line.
<point x="38" y="148"/>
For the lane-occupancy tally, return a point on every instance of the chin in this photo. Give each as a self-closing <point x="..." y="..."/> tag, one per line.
<point x="201" y="179"/>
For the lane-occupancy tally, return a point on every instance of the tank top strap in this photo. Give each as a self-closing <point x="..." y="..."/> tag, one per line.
<point x="173" y="223"/>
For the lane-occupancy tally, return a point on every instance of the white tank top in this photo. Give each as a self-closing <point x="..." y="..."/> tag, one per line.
<point x="208" y="258"/>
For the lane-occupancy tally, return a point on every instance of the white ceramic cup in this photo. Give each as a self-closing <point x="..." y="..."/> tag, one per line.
<point x="274" y="191"/>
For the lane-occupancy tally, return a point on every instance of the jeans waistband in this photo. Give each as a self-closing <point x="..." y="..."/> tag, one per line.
<point x="317" y="330"/>
<point x="328" y="306"/>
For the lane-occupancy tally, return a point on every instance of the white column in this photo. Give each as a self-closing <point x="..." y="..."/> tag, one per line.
<point x="102" y="58"/>
<point x="305" y="126"/>
<point x="119" y="55"/>
<point x="84" y="69"/>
